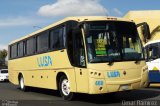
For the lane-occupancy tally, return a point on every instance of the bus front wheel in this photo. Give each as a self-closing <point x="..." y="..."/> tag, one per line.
<point x="21" y="84"/>
<point x="64" y="88"/>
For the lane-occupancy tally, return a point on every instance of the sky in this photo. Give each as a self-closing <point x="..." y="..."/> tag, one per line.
<point x="21" y="17"/>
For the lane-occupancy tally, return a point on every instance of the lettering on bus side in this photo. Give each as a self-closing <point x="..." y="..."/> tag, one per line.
<point x="113" y="74"/>
<point x="44" y="61"/>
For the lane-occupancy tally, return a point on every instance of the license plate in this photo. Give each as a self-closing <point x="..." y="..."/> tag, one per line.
<point x="124" y="87"/>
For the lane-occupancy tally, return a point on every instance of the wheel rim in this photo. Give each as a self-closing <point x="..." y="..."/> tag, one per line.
<point x="22" y="83"/>
<point x="65" y="86"/>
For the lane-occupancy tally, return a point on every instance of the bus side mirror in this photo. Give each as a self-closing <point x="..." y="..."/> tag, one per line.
<point x="146" y="31"/>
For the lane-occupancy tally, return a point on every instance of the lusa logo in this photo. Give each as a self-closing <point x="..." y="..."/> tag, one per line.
<point x="113" y="74"/>
<point x="44" y="61"/>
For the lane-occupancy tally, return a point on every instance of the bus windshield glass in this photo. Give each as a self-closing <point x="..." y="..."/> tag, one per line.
<point x="112" y="41"/>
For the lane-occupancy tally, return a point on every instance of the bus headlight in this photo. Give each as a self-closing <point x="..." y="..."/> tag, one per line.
<point x="95" y="74"/>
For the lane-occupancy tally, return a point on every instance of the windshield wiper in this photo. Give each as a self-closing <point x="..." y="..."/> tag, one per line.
<point x="137" y="61"/>
<point x="110" y="62"/>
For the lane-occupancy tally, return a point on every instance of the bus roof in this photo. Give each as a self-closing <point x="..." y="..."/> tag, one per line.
<point x="151" y="42"/>
<point x="78" y="19"/>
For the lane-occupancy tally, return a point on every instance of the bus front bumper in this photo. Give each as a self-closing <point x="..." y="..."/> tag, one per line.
<point x="101" y="86"/>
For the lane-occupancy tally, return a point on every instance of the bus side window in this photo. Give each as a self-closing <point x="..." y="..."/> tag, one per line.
<point x="20" y="49"/>
<point x="57" y="38"/>
<point x="24" y="48"/>
<point x="30" y="46"/>
<point x="153" y="52"/>
<point x="78" y="50"/>
<point x="14" y="51"/>
<point x="42" y="42"/>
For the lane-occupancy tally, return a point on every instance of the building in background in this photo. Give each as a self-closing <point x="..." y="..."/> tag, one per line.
<point x="151" y="17"/>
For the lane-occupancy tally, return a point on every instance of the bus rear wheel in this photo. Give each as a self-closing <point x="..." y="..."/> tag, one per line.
<point x="21" y="84"/>
<point x="64" y="88"/>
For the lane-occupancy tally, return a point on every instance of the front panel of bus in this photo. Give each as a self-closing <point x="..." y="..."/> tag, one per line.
<point x="111" y="55"/>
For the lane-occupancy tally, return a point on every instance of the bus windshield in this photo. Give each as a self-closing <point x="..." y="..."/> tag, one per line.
<point x="113" y="41"/>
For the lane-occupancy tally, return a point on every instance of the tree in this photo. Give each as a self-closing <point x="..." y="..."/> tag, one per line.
<point x="3" y="55"/>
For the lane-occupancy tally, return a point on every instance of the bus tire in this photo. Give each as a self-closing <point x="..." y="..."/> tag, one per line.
<point x="64" y="88"/>
<point x="21" y="83"/>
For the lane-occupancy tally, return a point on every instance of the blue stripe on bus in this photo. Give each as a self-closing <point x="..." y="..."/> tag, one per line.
<point x="154" y="76"/>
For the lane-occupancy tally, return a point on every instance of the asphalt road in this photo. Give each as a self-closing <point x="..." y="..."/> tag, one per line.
<point x="11" y="94"/>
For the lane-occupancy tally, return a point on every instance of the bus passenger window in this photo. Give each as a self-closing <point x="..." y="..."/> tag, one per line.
<point x="30" y="46"/>
<point x="57" y="38"/>
<point x="20" y="49"/>
<point x="24" y="48"/>
<point x="42" y="42"/>
<point x="14" y="51"/>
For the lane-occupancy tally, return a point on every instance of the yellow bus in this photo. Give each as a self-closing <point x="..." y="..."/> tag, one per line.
<point x="92" y="55"/>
